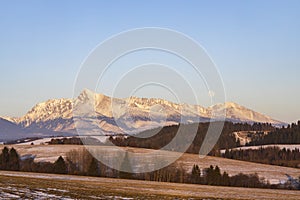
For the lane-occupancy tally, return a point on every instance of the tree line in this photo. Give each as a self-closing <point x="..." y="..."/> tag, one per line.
<point x="270" y="155"/>
<point x="213" y="176"/>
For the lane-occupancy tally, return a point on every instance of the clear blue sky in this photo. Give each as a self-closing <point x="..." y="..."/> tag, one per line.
<point x="255" y="44"/>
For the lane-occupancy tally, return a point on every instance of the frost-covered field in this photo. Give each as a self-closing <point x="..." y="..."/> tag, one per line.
<point x="19" y="185"/>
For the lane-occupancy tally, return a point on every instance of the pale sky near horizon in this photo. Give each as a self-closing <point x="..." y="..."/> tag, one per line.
<point x="255" y="45"/>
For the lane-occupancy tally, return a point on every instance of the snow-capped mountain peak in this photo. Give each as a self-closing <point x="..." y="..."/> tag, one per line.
<point x="127" y="115"/>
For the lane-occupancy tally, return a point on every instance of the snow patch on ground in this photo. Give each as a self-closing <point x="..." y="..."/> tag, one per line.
<point x="40" y="141"/>
<point x="8" y="195"/>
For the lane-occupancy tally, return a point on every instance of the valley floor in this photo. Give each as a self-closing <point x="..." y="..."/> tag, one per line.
<point x="16" y="185"/>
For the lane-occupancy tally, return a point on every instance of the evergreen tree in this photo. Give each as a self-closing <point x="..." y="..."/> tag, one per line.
<point x="4" y="159"/>
<point x="217" y="175"/>
<point x="210" y="175"/>
<point x="196" y="170"/>
<point x="60" y="166"/>
<point x="225" y="179"/>
<point x="213" y="176"/>
<point x="195" y="174"/>
<point x="14" y="160"/>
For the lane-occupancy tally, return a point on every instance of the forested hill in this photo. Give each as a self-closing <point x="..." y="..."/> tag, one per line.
<point x="288" y="135"/>
<point x="160" y="137"/>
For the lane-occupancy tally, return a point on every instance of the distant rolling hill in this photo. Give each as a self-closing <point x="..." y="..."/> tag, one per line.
<point x="9" y="130"/>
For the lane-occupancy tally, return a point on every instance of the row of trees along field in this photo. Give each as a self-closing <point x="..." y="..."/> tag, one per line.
<point x="213" y="176"/>
<point x="80" y="162"/>
<point x="271" y="155"/>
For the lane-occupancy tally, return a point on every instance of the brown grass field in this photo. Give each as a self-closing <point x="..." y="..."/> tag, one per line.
<point x="17" y="185"/>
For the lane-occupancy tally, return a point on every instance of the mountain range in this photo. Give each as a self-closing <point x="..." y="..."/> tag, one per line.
<point x="111" y="116"/>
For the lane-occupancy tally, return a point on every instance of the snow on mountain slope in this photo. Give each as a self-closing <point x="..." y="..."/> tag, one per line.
<point x="95" y="113"/>
<point x="236" y="112"/>
<point x="49" y="110"/>
<point x="10" y="119"/>
<point x="54" y="115"/>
